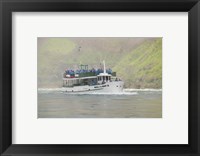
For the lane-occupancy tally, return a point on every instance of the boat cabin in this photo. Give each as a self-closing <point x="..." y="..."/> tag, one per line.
<point x="102" y="78"/>
<point x="67" y="82"/>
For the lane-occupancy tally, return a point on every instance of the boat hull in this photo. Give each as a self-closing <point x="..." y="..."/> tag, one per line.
<point x="114" y="86"/>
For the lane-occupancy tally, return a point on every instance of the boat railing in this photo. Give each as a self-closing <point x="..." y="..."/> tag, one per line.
<point x="73" y="74"/>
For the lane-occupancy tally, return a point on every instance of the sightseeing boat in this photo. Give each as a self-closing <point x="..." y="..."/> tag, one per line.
<point x="98" y="80"/>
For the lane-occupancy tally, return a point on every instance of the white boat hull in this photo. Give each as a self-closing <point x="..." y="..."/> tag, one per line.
<point x="114" y="86"/>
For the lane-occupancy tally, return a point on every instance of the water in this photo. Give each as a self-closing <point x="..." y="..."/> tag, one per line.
<point x="54" y="103"/>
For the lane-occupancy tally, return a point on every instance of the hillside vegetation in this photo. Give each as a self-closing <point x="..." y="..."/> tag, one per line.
<point x="138" y="61"/>
<point x="142" y="67"/>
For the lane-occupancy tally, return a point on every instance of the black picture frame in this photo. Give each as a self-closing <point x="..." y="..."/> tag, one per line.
<point x="9" y="6"/>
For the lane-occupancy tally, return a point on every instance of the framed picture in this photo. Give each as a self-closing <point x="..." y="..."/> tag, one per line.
<point x="99" y="77"/>
<point x="97" y="81"/>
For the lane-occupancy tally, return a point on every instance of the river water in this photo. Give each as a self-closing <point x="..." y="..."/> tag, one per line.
<point x="54" y="103"/>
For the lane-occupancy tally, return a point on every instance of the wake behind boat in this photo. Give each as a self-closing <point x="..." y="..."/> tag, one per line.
<point x="84" y="80"/>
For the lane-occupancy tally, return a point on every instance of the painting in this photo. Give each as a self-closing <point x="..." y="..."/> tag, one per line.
<point x="99" y="77"/>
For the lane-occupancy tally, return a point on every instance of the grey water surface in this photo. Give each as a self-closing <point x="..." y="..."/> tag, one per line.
<point x="137" y="104"/>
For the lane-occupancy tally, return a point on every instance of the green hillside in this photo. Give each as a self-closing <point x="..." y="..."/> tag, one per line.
<point x="142" y="67"/>
<point x="52" y="55"/>
<point x="138" y="61"/>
